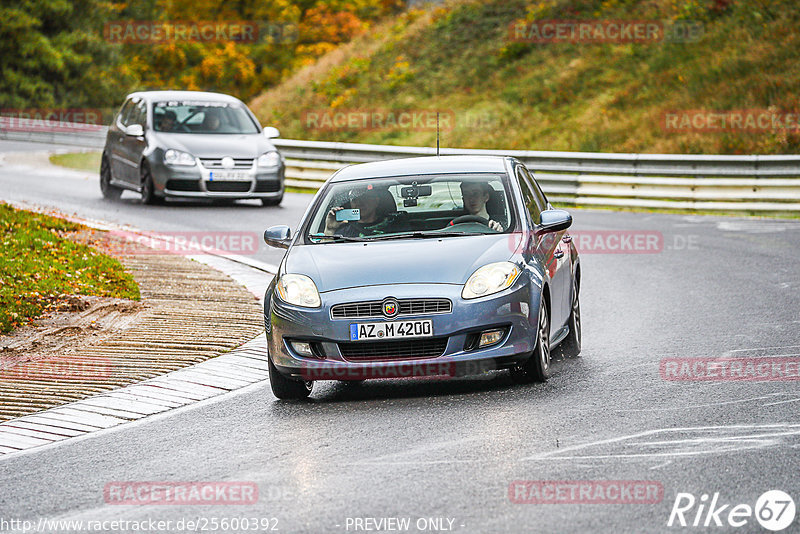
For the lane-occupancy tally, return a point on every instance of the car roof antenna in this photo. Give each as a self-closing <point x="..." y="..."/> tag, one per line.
<point x="437" y="134"/>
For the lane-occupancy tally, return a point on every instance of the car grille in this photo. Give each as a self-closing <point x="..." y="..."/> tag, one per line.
<point x="183" y="185"/>
<point x="228" y="187"/>
<point x="216" y="163"/>
<point x="393" y="350"/>
<point x="361" y="310"/>
<point x="268" y="186"/>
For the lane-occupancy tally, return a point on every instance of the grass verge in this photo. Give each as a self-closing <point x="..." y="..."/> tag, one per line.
<point x="82" y="161"/>
<point x="40" y="266"/>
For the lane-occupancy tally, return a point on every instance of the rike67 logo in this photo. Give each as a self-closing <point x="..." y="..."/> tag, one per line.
<point x="774" y="510"/>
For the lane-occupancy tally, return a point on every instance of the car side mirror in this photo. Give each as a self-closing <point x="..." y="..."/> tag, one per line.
<point x="553" y="221"/>
<point x="278" y="236"/>
<point x="134" y="130"/>
<point x="270" y="132"/>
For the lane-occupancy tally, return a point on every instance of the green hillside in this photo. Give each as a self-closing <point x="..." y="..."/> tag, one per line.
<point x="583" y="96"/>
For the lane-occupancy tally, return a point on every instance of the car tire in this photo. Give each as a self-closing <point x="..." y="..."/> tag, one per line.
<point x="537" y="367"/>
<point x="148" y="187"/>
<point x="286" y="388"/>
<point x="272" y="201"/>
<point x="111" y="192"/>
<point x="571" y="345"/>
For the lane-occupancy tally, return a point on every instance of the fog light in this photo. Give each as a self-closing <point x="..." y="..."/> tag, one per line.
<point x="303" y="348"/>
<point x="490" y="337"/>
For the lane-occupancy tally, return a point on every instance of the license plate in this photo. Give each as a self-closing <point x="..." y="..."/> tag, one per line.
<point x="391" y="330"/>
<point x="228" y="176"/>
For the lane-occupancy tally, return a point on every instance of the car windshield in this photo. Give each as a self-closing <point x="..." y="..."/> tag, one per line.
<point x="202" y="118"/>
<point x="411" y="207"/>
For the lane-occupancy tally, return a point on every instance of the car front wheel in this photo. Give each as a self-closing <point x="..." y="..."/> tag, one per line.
<point x="148" y="187"/>
<point x="285" y="388"/>
<point x="537" y="367"/>
<point x="271" y="201"/>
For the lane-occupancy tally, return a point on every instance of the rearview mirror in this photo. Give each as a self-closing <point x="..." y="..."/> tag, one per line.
<point x="134" y="130"/>
<point x="553" y="221"/>
<point x="278" y="236"/>
<point x="270" y="132"/>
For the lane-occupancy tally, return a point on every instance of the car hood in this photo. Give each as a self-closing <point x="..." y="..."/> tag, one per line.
<point x="217" y="146"/>
<point x="448" y="260"/>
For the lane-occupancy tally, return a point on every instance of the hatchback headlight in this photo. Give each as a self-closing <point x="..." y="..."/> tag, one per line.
<point x="270" y="159"/>
<point x="298" y="289"/>
<point x="490" y="279"/>
<point x="178" y="158"/>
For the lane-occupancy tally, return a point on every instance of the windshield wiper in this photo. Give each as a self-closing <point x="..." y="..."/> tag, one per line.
<point x="421" y="235"/>
<point x="337" y="237"/>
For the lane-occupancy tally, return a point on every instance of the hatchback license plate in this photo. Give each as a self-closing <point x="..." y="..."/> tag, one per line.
<point x="233" y="176"/>
<point x="391" y="330"/>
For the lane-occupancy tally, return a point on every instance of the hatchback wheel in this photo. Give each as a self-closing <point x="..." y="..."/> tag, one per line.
<point x="284" y="387"/>
<point x="148" y="188"/>
<point x="537" y="367"/>
<point x="111" y="192"/>
<point x="271" y="201"/>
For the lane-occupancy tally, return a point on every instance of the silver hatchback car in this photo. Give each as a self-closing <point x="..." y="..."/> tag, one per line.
<point x="190" y="144"/>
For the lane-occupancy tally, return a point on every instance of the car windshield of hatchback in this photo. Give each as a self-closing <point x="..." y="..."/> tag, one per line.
<point x="410" y="207"/>
<point x="202" y="118"/>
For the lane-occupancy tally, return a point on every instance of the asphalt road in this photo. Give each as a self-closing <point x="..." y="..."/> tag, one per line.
<point x="422" y="449"/>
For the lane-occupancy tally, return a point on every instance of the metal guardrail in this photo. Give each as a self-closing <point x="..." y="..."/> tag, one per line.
<point x="676" y="181"/>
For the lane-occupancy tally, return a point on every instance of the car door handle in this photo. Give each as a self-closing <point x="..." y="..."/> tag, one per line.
<point x="558" y="254"/>
<point x="567" y="239"/>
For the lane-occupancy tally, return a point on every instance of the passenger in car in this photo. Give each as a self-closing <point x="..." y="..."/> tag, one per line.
<point x="475" y="196"/>
<point x="378" y="214"/>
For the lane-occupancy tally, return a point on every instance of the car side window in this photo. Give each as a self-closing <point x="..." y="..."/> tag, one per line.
<point x="540" y="197"/>
<point x="122" y="117"/>
<point x="528" y="195"/>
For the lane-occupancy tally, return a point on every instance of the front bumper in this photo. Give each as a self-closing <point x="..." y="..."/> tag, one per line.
<point x="177" y="182"/>
<point x="513" y="310"/>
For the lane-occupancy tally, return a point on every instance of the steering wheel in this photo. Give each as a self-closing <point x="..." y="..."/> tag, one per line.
<point x="469" y="219"/>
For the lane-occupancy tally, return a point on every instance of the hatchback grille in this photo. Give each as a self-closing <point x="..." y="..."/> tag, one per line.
<point x="216" y="163"/>
<point x="361" y="310"/>
<point x="393" y="350"/>
<point x="228" y="187"/>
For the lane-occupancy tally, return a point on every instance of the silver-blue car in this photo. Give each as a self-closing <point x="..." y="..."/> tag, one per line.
<point x="435" y="266"/>
<point x="190" y="144"/>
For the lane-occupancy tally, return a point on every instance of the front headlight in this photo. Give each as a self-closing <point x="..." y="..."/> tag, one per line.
<point x="490" y="279"/>
<point x="298" y="289"/>
<point x="270" y="159"/>
<point x="178" y="158"/>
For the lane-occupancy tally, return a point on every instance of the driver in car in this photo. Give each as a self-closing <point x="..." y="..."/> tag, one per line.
<point x="211" y="121"/>
<point x="373" y="218"/>
<point x="475" y="196"/>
